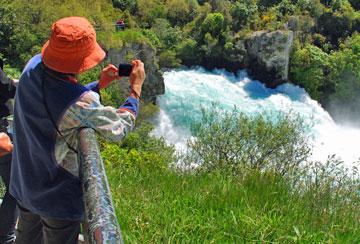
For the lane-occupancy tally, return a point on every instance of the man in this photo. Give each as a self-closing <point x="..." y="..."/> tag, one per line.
<point x="8" y="210"/>
<point x="50" y="108"/>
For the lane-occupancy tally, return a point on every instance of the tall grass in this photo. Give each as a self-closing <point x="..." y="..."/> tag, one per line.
<point x="157" y="203"/>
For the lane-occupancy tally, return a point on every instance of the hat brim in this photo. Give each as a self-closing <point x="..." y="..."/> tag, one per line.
<point x="71" y="65"/>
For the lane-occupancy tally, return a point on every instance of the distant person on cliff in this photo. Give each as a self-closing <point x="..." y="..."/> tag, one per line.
<point x="120" y="25"/>
<point x="8" y="210"/>
<point x="50" y="107"/>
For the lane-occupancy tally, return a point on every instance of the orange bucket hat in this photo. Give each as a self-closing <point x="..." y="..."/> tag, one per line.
<point x="72" y="47"/>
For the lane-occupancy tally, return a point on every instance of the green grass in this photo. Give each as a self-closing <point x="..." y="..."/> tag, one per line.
<point x="156" y="204"/>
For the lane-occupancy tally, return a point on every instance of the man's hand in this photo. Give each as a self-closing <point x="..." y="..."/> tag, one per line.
<point x="108" y="75"/>
<point x="137" y="78"/>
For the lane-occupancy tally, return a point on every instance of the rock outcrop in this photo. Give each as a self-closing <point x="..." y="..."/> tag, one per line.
<point x="268" y="56"/>
<point x="154" y="83"/>
<point x="240" y="54"/>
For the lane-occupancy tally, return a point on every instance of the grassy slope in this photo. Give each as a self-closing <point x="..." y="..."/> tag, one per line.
<point x="158" y="205"/>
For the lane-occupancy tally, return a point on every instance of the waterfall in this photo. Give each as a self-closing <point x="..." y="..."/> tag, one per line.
<point x="187" y="91"/>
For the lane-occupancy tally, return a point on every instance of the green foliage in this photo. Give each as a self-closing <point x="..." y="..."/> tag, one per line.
<point x="243" y="12"/>
<point x="332" y="78"/>
<point x="113" y="95"/>
<point x="328" y="20"/>
<point x="168" y="59"/>
<point x="345" y="73"/>
<point x="286" y="7"/>
<point x="179" y="11"/>
<point x="149" y="11"/>
<point x="154" y="203"/>
<point x="90" y="75"/>
<point x="234" y="141"/>
<point x="265" y="4"/>
<point x="125" y="5"/>
<point x="27" y="24"/>
<point x="187" y="51"/>
<point x="252" y="184"/>
<point x="153" y="38"/>
<point x="213" y="24"/>
<point x="308" y="66"/>
<point x="131" y="35"/>
<point x="2" y="189"/>
<point x="146" y="113"/>
<point x="169" y="36"/>
<point x="12" y="72"/>
<point x="313" y="7"/>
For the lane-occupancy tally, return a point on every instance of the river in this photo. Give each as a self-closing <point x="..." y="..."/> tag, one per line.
<point x="187" y="91"/>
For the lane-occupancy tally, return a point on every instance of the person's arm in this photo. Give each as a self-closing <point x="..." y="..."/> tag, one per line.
<point x="114" y="124"/>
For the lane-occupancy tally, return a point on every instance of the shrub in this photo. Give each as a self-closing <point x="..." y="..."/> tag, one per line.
<point x="314" y="7"/>
<point x="307" y="68"/>
<point x="168" y="59"/>
<point x="188" y="52"/>
<point x="326" y="23"/>
<point x="169" y="36"/>
<point x="234" y="142"/>
<point x="243" y="13"/>
<point x="213" y="24"/>
<point x="345" y="74"/>
<point x="125" y="5"/>
<point x="131" y="35"/>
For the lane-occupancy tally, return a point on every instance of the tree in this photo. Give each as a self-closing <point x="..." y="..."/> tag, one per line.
<point x="329" y="20"/>
<point x="314" y="7"/>
<point x="188" y="52"/>
<point x="149" y="11"/>
<point x="178" y="11"/>
<point x="6" y="29"/>
<point x="125" y="5"/>
<point x="345" y="73"/>
<point x="243" y="12"/>
<point x="213" y="24"/>
<point x="308" y="66"/>
<point x="169" y="36"/>
<point x="265" y="4"/>
<point x="28" y="23"/>
<point x="286" y="7"/>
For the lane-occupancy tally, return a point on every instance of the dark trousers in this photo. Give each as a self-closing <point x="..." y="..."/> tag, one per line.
<point x="8" y="209"/>
<point x="34" y="229"/>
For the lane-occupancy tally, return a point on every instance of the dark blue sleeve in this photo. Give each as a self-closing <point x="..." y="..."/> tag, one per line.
<point x="131" y="105"/>
<point x="93" y="86"/>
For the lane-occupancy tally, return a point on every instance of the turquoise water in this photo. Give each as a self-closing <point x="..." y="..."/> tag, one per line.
<point x="187" y="91"/>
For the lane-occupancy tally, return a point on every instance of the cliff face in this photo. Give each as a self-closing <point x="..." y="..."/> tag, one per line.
<point x="154" y="82"/>
<point x="264" y="54"/>
<point x="268" y="56"/>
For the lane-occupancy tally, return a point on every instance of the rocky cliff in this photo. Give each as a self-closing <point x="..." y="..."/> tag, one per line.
<point x="264" y="54"/>
<point x="154" y="82"/>
<point x="268" y="56"/>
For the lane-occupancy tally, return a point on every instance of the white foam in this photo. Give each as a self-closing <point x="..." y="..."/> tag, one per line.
<point x="189" y="90"/>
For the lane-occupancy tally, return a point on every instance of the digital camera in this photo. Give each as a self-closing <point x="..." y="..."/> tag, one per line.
<point x="125" y="69"/>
